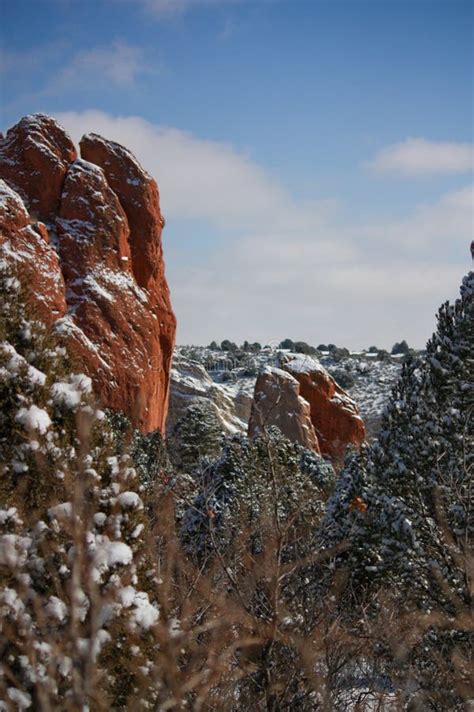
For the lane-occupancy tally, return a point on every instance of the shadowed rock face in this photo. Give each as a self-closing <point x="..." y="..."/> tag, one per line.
<point x="306" y="403"/>
<point x="95" y="267"/>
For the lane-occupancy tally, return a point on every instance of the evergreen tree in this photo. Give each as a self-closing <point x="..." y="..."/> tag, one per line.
<point x="254" y="480"/>
<point x="400" y="348"/>
<point x="423" y="459"/>
<point x="287" y="344"/>
<point x="227" y="345"/>
<point x="301" y="347"/>
<point x="197" y="435"/>
<point x="147" y="451"/>
<point x="405" y="505"/>
<point x="258" y="507"/>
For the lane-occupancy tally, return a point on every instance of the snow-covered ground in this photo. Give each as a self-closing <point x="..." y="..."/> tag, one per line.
<point x="373" y="382"/>
<point x="227" y="380"/>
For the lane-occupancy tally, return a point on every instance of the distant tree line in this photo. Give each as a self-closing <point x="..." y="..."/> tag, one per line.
<point x="231" y="346"/>
<point x="301" y="347"/>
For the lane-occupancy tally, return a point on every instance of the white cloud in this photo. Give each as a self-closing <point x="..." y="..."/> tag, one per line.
<point x="118" y="63"/>
<point x="417" y="156"/>
<point x="282" y="267"/>
<point x="444" y="224"/>
<point x="228" y="29"/>
<point x="354" y="305"/>
<point x="198" y="179"/>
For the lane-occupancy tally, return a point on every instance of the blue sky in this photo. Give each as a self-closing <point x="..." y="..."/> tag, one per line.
<point x="314" y="157"/>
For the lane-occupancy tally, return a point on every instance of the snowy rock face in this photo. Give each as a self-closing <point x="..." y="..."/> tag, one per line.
<point x="278" y="402"/>
<point x="85" y="236"/>
<point x="26" y="246"/>
<point x="373" y="381"/>
<point x="191" y="384"/>
<point x="202" y="375"/>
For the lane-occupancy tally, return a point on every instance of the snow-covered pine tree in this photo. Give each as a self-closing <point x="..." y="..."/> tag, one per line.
<point x="422" y="463"/>
<point x="406" y="508"/>
<point x="252" y="487"/>
<point x="198" y="434"/>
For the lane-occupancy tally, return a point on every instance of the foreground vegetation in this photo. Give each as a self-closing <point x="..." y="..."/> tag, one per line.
<point x="224" y="574"/>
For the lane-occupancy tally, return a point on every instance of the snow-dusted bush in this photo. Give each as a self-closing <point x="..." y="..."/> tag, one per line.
<point x="99" y="609"/>
<point x="258" y="506"/>
<point x="76" y="581"/>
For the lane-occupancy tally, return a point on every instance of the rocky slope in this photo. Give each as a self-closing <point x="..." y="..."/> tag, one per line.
<point x="228" y="381"/>
<point x="85" y="236"/>
<point x="191" y="384"/>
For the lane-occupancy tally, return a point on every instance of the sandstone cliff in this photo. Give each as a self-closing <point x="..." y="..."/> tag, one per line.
<point x="85" y="234"/>
<point x="277" y="402"/>
<point x="303" y="400"/>
<point x="334" y="414"/>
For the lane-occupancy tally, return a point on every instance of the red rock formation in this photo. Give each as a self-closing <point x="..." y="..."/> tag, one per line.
<point x="138" y="194"/>
<point x="106" y="227"/>
<point x="91" y="225"/>
<point x="277" y="401"/>
<point x="334" y="414"/>
<point x="139" y="197"/>
<point x="34" y="157"/>
<point x="308" y="406"/>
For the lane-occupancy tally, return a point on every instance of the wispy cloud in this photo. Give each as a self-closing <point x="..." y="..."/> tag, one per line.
<point x="432" y="227"/>
<point x="163" y="8"/>
<point x="228" y="29"/>
<point x="417" y="156"/>
<point x="14" y="62"/>
<point x="118" y="63"/>
<point x="296" y="267"/>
